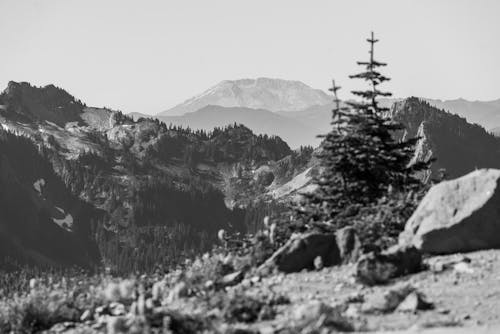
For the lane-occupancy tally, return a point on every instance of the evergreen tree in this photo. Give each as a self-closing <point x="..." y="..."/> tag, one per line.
<point x="360" y="158"/>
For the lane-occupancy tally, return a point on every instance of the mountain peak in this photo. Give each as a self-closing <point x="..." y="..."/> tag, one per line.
<point x="28" y="103"/>
<point x="261" y="93"/>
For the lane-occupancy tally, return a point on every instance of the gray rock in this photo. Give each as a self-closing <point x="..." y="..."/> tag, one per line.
<point x="414" y="302"/>
<point x="318" y="263"/>
<point x="349" y="244"/>
<point x="300" y="251"/>
<point x="378" y="268"/>
<point x="455" y="216"/>
<point x="385" y="301"/>
<point x="232" y="279"/>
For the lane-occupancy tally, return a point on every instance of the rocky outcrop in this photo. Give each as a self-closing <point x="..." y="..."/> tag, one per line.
<point x="459" y="146"/>
<point x="460" y="215"/>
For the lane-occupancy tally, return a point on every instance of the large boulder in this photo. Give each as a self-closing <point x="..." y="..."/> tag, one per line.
<point x="460" y="215"/>
<point x="300" y="252"/>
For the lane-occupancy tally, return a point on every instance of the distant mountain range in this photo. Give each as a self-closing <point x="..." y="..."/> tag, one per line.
<point x="291" y="109"/>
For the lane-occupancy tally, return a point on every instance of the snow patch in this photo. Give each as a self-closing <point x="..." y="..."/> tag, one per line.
<point x="298" y="182"/>
<point x="66" y="222"/>
<point x="38" y="185"/>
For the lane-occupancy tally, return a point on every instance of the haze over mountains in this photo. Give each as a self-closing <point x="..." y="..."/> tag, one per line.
<point x="291" y="109"/>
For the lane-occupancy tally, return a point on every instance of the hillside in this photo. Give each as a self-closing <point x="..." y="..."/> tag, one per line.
<point x="157" y="184"/>
<point x="460" y="147"/>
<point x="41" y="222"/>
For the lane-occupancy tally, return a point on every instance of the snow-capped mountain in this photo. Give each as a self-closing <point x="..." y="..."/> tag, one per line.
<point x="261" y="93"/>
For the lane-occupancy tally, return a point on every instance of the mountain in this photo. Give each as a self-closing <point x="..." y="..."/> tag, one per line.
<point x="291" y="109"/>
<point x="260" y="121"/>
<point x="460" y="147"/>
<point x="262" y="93"/>
<point x="484" y="113"/>
<point x="150" y="193"/>
<point x="163" y="190"/>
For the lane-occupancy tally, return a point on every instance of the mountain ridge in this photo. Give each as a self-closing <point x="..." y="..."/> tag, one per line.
<point x="149" y="179"/>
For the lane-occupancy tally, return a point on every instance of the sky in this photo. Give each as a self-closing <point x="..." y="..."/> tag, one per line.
<point x="147" y="56"/>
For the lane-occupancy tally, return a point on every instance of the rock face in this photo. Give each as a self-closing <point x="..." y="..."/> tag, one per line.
<point x="301" y="251"/>
<point x="460" y="215"/>
<point x="460" y="147"/>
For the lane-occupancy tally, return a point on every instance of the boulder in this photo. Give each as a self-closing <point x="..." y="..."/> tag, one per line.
<point x="232" y="279"/>
<point x="402" y="297"/>
<point x="414" y="302"/>
<point x="460" y="215"/>
<point x="385" y="301"/>
<point x="378" y="268"/>
<point x="349" y="244"/>
<point x="300" y="252"/>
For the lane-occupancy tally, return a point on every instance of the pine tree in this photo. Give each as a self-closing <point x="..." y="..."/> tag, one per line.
<point x="361" y="159"/>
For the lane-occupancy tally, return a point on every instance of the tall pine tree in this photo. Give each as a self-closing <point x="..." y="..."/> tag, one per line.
<point x="361" y="159"/>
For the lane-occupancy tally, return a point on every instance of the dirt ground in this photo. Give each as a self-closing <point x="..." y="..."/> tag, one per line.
<point x="466" y="298"/>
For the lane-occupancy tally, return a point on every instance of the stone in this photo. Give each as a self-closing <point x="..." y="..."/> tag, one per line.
<point x="232" y="279"/>
<point x="349" y="244"/>
<point x="459" y="215"/>
<point x="463" y="268"/>
<point x="300" y="251"/>
<point x="318" y="263"/>
<point x="385" y="301"/>
<point x="86" y="315"/>
<point x="320" y="315"/>
<point x="441" y="263"/>
<point x="379" y="268"/>
<point x="414" y="302"/>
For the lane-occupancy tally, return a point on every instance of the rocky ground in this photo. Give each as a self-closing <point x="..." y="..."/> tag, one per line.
<point x="456" y="293"/>
<point x="462" y="288"/>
